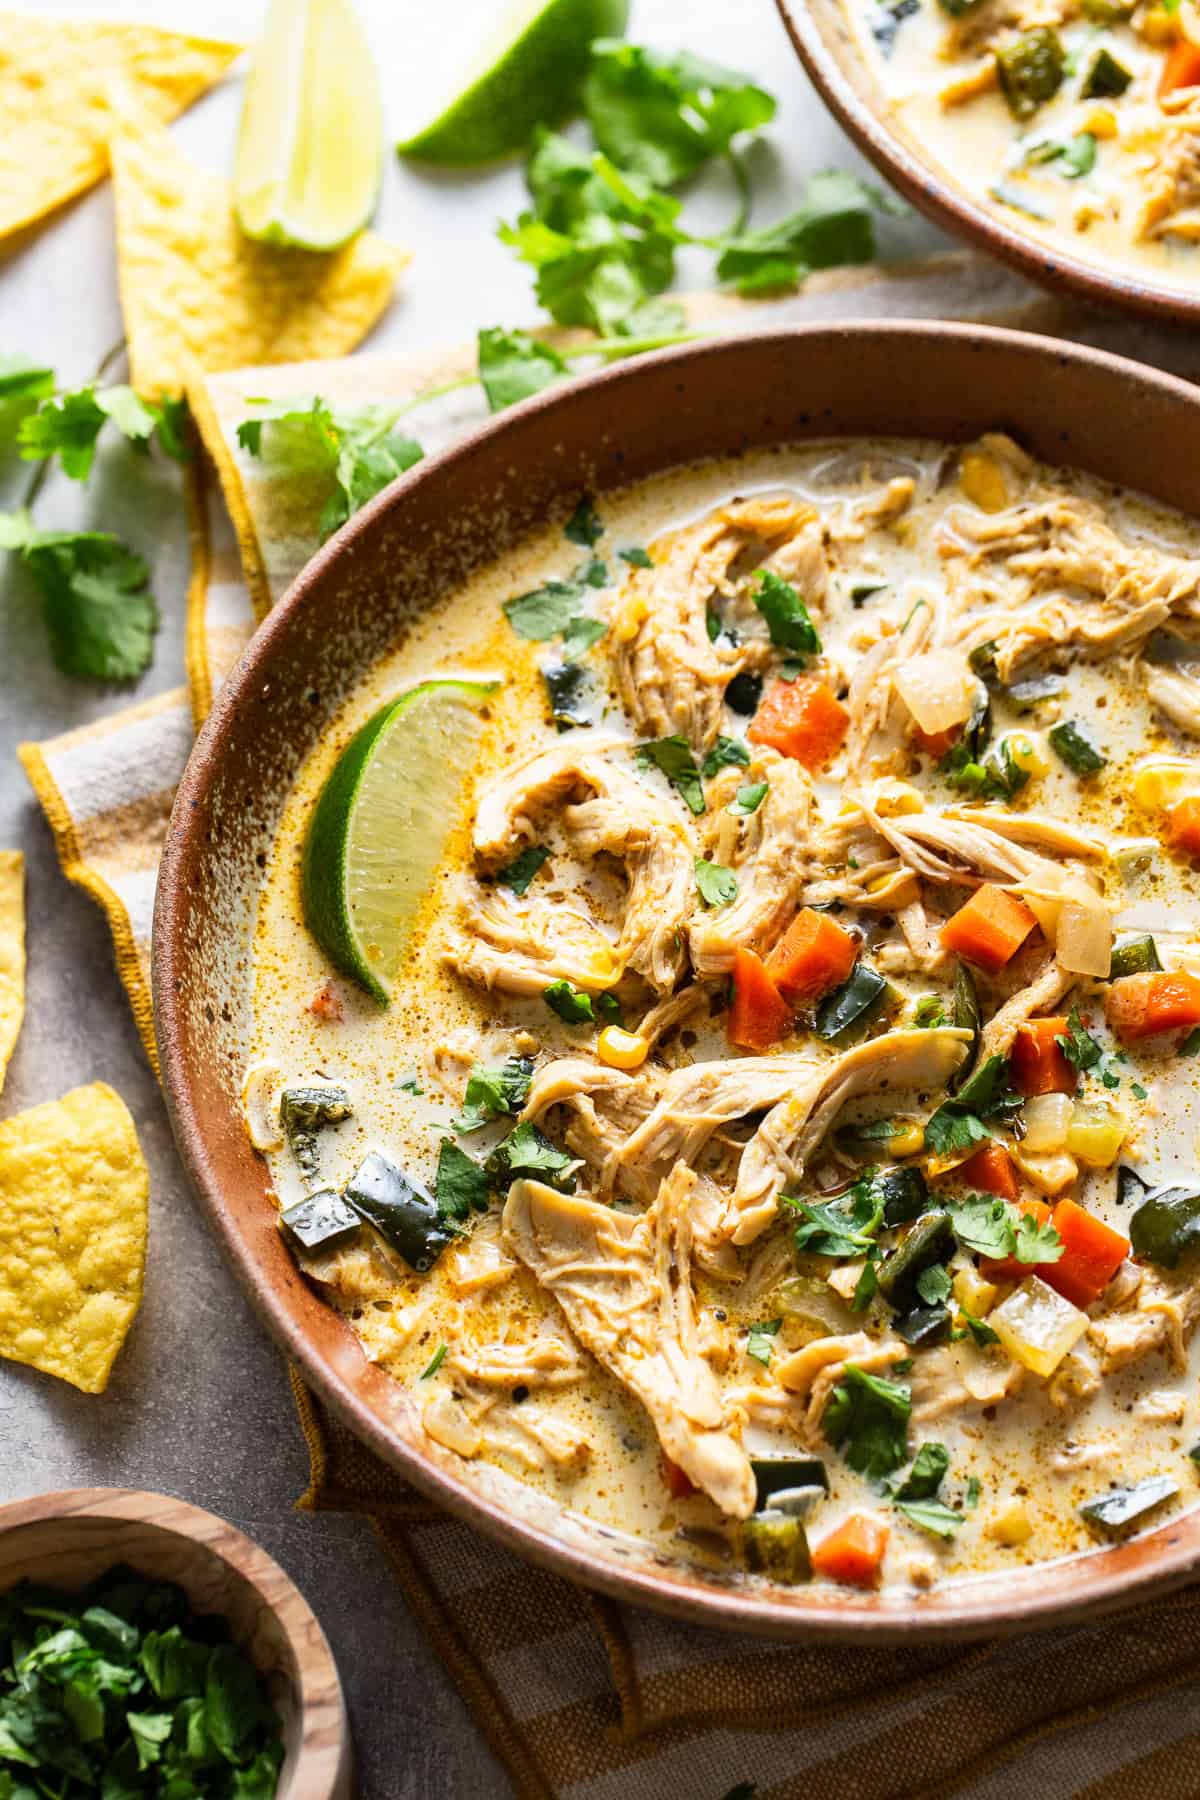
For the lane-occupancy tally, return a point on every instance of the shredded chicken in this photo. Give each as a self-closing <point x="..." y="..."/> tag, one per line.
<point x="603" y="1107"/>
<point x="812" y="1373"/>
<point x="1160" y="1314"/>
<point x="871" y="702"/>
<point x="1171" y="181"/>
<point x="521" y="946"/>
<point x="1175" y="692"/>
<point x="624" y="1285"/>
<point x="776" y="1155"/>
<point x="1040" y="996"/>
<point x="697" y="1101"/>
<point x="669" y="675"/>
<point x="771" y="857"/>
<point x="954" y="1376"/>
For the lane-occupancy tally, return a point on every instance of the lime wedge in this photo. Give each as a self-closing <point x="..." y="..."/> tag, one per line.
<point x="529" y="71"/>
<point x="381" y="825"/>
<point x="310" y="151"/>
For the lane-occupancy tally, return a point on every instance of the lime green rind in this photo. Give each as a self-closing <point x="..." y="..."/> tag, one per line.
<point x="325" y="874"/>
<point x="536" y="80"/>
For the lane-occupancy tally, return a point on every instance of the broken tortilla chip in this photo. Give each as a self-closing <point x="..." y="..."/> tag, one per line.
<point x="12" y="952"/>
<point x="74" y="1191"/>
<point x="198" y="296"/>
<point x="59" y="79"/>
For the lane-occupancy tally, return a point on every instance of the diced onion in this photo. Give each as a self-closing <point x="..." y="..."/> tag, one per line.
<point x="1047" y="1121"/>
<point x="1083" y="941"/>
<point x="1037" y="1326"/>
<point x="1050" y="1172"/>
<point x="938" y="689"/>
<point x="261" y="1087"/>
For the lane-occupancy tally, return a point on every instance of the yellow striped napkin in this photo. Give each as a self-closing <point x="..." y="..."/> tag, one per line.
<point x="583" y="1698"/>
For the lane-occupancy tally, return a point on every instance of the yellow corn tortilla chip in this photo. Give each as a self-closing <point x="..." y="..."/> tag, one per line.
<point x="199" y="296"/>
<point x="74" y="1191"/>
<point x="59" y="80"/>
<point x="12" y="953"/>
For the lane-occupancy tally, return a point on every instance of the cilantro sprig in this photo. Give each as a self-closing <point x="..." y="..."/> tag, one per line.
<point x="349" y="456"/>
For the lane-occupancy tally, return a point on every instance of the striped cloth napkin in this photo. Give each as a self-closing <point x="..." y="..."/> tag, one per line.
<point x="584" y="1698"/>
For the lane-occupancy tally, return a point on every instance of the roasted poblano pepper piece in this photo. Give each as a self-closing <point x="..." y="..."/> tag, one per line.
<point x="966" y="1015"/>
<point x="851" y="1004"/>
<point x="1071" y="744"/>
<point x="1031" y="69"/>
<point x="304" y="1112"/>
<point x="744" y="692"/>
<point x="1134" y="956"/>
<point x="776" y="1544"/>
<point x="780" y="1478"/>
<point x="930" y="1241"/>
<point x="1122" y="1506"/>
<point x="1166" y="1226"/>
<point x="1107" y="78"/>
<point x="905" y="1195"/>
<point x="924" y="1325"/>
<point x="569" y="688"/>
<point x="403" y="1214"/>
<point x="321" y="1220"/>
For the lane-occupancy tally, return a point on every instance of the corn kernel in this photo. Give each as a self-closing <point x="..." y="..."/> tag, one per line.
<point x="1158" y="26"/>
<point x="622" y="1049"/>
<point x="1012" y="1526"/>
<point x="982" y="481"/>
<point x="1101" y="121"/>
<point x="1025" y="748"/>
<point x="909" y="1141"/>
<point x="897" y="798"/>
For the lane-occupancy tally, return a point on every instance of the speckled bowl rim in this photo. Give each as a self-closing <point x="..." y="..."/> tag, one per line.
<point x="1049" y="1594"/>
<point x="940" y="198"/>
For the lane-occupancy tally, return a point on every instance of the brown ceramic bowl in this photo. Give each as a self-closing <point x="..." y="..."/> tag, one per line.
<point x="465" y="508"/>
<point x="65" y="1540"/>
<point x="824" y="38"/>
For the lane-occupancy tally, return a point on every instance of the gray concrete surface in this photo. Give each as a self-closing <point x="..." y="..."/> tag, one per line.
<point x="199" y="1404"/>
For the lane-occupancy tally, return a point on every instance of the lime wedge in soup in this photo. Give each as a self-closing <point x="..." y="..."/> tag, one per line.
<point x="529" y="71"/>
<point x="310" y="152"/>
<point x="382" y="823"/>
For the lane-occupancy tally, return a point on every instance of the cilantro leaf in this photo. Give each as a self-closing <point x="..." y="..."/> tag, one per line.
<point x="494" y="1091"/>
<point x="717" y="885"/>
<point x="352" y="456"/>
<point x="760" y="1340"/>
<point x="1077" y="1044"/>
<point x="572" y="1004"/>
<point x="726" y="753"/>
<point x="23" y="383"/>
<point x="544" y="612"/>
<point x="584" y="526"/>
<point x="580" y="634"/>
<point x="927" y="1473"/>
<point x="748" y="799"/>
<point x="867" y="1418"/>
<point x="518" y="874"/>
<point x="929" y="1012"/>
<point x="100" y="614"/>
<point x="461" y="1184"/>
<point x="983" y="1224"/>
<point x="663" y="117"/>
<point x="787" y="618"/>
<point x="68" y="425"/>
<point x="933" y="1285"/>
<point x="636" y="557"/>
<point x="833" y="226"/>
<point x="1034" y="1242"/>
<point x="953" y="1127"/>
<point x="527" y="1151"/>
<point x="932" y="1516"/>
<point x="845" y="1226"/>
<point x="512" y="366"/>
<point x="986" y="1091"/>
<point x="673" y="756"/>
<point x="979" y="1329"/>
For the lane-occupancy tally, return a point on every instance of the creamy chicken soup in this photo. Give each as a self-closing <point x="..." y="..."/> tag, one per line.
<point x="1077" y="120"/>
<point x="780" y="1143"/>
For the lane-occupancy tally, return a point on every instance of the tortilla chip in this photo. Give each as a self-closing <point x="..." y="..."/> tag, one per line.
<point x="59" y="81"/>
<point x="199" y="296"/>
<point x="74" y="1192"/>
<point x="12" y="952"/>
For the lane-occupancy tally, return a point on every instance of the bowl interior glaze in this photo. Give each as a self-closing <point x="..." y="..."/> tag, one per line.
<point x="461" y="510"/>
<point x="825" y="42"/>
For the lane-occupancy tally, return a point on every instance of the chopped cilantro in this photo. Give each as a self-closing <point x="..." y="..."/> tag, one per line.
<point x="927" y="1473"/>
<point x="1138" y="1091"/>
<point x="569" y="689"/>
<point x="929" y="1012"/>
<point x="636" y="557"/>
<point x="834" y="225"/>
<point x="717" y="885"/>
<point x="519" y="873"/>
<point x="1191" y="1043"/>
<point x="845" y="1226"/>
<point x="663" y="116"/>
<point x="23" y="382"/>
<point x="726" y="753"/>
<point x="1034" y="1242"/>
<point x="983" y="1224"/>
<point x="544" y="612"/>
<point x="584" y="525"/>
<point x="673" y="757"/>
<point x="932" y="1516"/>
<point x="1077" y="1044"/>
<point x="570" y="1003"/>
<point x="867" y="1418"/>
<point x="787" y="617"/>
<point x="748" y="799"/>
<point x="974" y="1488"/>
<point x="979" y="1329"/>
<point x="528" y="1151"/>
<point x="461" y="1184"/>
<point x="760" y="1340"/>
<point x="866" y="1287"/>
<point x="609" y="1007"/>
<point x="933" y="1285"/>
<point x="953" y="1127"/>
<point x="410" y="1084"/>
<point x="68" y="425"/>
<point x="494" y="1092"/>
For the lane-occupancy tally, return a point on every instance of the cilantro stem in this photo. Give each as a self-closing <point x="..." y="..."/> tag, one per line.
<point x="38" y="479"/>
<point x="741" y="181"/>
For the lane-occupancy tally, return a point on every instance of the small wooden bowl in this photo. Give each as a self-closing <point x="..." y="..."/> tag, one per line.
<point x="67" y="1539"/>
